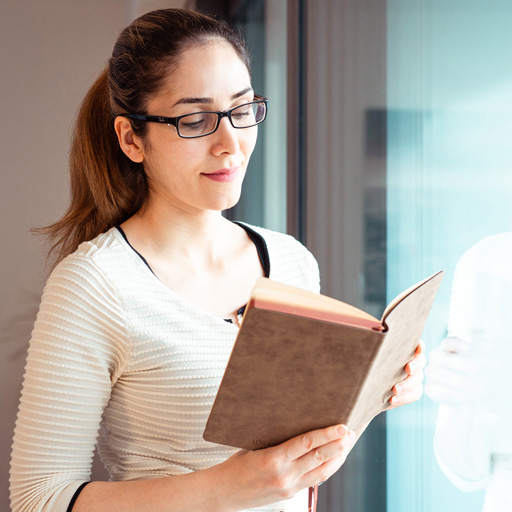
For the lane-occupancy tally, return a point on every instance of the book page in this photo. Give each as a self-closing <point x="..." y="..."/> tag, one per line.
<point x="268" y="294"/>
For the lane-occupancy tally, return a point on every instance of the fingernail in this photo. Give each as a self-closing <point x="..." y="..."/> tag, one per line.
<point x="398" y="388"/>
<point x="342" y="430"/>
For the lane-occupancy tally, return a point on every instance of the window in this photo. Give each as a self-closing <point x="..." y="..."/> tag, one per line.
<point x="405" y="127"/>
<point x="449" y="162"/>
<point x="263" y="199"/>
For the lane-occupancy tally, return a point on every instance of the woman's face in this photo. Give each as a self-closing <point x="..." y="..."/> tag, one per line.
<point x="204" y="173"/>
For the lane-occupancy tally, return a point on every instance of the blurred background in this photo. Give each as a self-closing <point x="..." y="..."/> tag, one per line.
<point x="387" y="151"/>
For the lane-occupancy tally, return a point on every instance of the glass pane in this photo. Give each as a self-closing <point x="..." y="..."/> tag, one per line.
<point x="448" y="185"/>
<point x="263" y="200"/>
<point x="409" y="164"/>
<point x="346" y="198"/>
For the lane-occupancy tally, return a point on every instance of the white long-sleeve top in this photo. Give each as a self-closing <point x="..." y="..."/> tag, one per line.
<point x="119" y="360"/>
<point x="474" y="444"/>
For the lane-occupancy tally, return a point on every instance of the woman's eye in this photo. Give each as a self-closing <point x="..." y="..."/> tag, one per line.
<point x="241" y="115"/>
<point x="195" y="123"/>
<point x="242" y="112"/>
<point x="192" y="124"/>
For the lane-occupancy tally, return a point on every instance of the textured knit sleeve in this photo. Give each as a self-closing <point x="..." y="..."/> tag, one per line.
<point x="76" y="353"/>
<point x="313" y="273"/>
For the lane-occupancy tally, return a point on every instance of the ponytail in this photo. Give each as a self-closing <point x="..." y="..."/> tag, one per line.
<point x="106" y="186"/>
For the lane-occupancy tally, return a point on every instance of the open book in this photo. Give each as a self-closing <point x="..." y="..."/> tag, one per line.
<point x="303" y="361"/>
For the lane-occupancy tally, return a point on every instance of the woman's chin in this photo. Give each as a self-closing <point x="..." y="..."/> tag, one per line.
<point x="227" y="201"/>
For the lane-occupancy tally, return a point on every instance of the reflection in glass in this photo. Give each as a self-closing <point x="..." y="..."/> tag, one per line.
<point x="448" y="185"/>
<point x="469" y="375"/>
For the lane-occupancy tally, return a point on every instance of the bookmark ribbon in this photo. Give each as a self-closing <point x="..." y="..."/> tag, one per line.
<point x="313" y="498"/>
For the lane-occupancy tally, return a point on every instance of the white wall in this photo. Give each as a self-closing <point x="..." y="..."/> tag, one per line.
<point x="50" y="53"/>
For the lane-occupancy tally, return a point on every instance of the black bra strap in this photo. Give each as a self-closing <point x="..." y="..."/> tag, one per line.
<point x="261" y="247"/>
<point x="256" y="238"/>
<point x="120" y="229"/>
<point x="75" y="496"/>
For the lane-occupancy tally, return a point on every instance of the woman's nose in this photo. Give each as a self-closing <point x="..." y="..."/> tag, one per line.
<point x="226" y="138"/>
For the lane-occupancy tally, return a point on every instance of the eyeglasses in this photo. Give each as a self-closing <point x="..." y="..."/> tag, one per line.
<point x="200" y="124"/>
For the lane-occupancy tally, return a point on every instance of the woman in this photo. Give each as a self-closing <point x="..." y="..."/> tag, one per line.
<point x="137" y="323"/>
<point x="469" y="375"/>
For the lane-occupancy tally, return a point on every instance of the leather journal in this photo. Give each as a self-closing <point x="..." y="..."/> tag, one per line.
<point x="296" y="366"/>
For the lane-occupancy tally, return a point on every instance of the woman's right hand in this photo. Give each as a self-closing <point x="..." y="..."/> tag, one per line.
<point x="255" y="478"/>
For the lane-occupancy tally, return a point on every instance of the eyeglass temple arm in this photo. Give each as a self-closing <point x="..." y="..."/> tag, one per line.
<point x="153" y="119"/>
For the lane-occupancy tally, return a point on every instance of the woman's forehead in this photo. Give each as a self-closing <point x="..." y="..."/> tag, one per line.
<point x="206" y="70"/>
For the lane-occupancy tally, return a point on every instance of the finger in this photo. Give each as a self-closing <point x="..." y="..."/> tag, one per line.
<point x="407" y="391"/>
<point x="407" y="398"/>
<point x="420" y="348"/>
<point x="326" y="452"/>
<point x="408" y="384"/>
<point x="302" y="444"/>
<point x="324" y="471"/>
<point x="418" y="362"/>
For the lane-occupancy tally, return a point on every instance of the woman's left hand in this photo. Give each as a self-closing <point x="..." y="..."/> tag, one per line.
<point x="411" y="388"/>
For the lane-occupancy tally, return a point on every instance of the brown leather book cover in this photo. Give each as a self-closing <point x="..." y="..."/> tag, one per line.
<point x="290" y="374"/>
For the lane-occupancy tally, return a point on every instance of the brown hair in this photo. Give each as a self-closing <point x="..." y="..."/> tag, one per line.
<point x="106" y="186"/>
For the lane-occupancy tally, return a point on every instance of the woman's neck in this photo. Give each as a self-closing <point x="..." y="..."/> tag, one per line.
<point x="204" y="258"/>
<point x="202" y="238"/>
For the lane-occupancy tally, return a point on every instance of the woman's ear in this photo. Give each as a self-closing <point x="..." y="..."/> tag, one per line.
<point x="129" y="142"/>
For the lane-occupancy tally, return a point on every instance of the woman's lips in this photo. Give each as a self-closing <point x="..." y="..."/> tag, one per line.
<point x="224" y="175"/>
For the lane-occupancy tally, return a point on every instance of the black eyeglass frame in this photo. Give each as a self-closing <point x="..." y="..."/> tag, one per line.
<point x="174" y="121"/>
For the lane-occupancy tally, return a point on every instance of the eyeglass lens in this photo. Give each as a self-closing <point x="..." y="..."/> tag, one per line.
<point x="203" y="123"/>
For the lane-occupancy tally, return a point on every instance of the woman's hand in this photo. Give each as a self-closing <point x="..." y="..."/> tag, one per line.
<point x="475" y="374"/>
<point x="453" y="378"/>
<point x="411" y="388"/>
<point x="255" y="478"/>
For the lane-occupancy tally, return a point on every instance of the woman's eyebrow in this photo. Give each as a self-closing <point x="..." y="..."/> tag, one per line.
<point x="241" y="93"/>
<point x="210" y="100"/>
